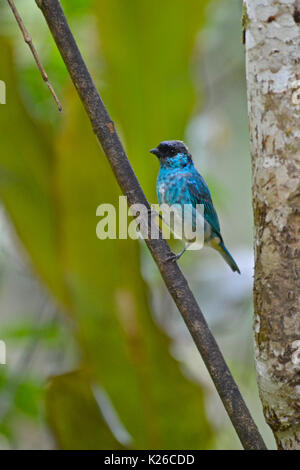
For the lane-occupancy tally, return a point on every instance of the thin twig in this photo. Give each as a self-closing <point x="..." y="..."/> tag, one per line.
<point x="173" y="277"/>
<point x="28" y="40"/>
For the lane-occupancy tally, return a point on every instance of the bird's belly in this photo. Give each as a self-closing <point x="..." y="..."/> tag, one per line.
<point x="185" y="223"/>
<point x="161" y="193"/>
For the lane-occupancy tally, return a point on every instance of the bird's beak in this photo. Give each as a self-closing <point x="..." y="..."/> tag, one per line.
<point x="154" y="151"/>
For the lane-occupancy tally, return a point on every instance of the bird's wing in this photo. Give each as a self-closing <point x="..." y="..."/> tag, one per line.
<point x="200" y="194"/>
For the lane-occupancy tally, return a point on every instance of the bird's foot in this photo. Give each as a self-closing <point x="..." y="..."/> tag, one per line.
<point x="153" y="211"/>
<point x="172" y="257"/>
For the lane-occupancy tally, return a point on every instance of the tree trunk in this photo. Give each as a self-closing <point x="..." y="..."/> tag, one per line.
<point x="272" y="41"/>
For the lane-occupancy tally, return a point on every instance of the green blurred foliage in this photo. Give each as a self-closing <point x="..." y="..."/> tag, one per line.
<point x="22" y="389"/>
<point x="48" y="333"/>
<point x="75" y="417"/>
<point x="23" y="395"/>
<point x="52" y="178"/>
<point x="148" y="48"/>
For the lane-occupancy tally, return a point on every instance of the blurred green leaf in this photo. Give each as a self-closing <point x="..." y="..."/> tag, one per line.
<point x="75" y="416"/>
<point x="3" y="377"/>
<point x="26" y="168"/>
<point x="28" y="397"/>
<point x="5" y="430"/>
<point x="28" y="329"/>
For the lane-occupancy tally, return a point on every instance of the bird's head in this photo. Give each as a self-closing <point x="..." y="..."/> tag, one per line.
<point x="172" y="153"/>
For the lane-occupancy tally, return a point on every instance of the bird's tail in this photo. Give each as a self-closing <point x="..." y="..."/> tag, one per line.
<point x="227" y="256"/>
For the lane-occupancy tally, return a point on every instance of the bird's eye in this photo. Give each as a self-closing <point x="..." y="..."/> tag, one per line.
<point x="164" y="148"/>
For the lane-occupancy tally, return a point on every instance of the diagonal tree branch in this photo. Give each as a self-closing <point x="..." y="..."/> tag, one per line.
<point x="28" y="40"/>
<point x="175" y="281"/>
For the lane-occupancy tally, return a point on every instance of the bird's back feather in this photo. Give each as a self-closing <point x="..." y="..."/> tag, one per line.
<point x="187" y="186"/>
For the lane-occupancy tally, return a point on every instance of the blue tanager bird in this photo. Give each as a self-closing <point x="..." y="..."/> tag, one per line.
<point x="179" y="182"/>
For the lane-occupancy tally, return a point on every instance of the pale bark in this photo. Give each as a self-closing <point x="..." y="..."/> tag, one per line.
<point x="272" y="42"/>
